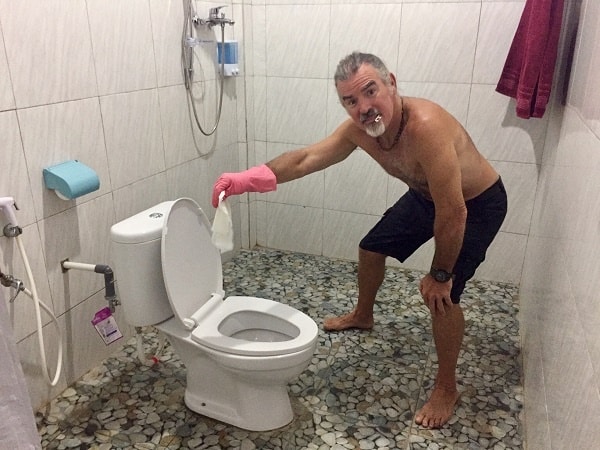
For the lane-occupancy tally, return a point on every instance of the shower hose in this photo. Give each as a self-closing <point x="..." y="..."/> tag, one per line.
<point x="38" y="315"/>
<point x="187" y="62"/>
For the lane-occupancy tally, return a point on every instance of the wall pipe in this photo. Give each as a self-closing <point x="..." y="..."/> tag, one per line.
<point x="109" y="278"/>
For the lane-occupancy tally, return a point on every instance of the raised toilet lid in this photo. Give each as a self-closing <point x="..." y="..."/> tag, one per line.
<point x="191" y="264"/>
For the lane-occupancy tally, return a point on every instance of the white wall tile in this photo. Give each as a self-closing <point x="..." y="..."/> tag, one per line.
<point x="83" y="346"/>
<point x="29" y="354"/>
<point x="60" y="116"/>
<point x="586" y="96"/>
<point x="580" y="140"/>
<point x="492" y="46"/>
<point x="49" y="51"/>
<point x="139" y="196"/>
<point x="167" y="28"/>
<point x="395" y="190"/>
<point x="61" y="132"/>
<point x="565" y="343"/>
<point x="437" y="42"/>
<point x="336" y="114"/>
<point x="380" y="35"/>
<point x="557" y="205"/>
<point x="7" y="100"/>
<point x="297" y="40"/>
<point x="504" y="259"/>
<point x="258" y="222"/>
<point x="259" y="40"/>
<point x="342" y="232"/>
<point x="83" y="349"/>
<point x="419" y="260"/>
<point x="123" y="47"/>
<point x="498" y="133"/>
<point x="183" y="140"/>
<point x="453" y="97"/>
<point x="295" y="110"/>
<point x="520" y="181"/>
<point x="190" y="180"/>
<point x="14" y="163"/>
<point x="357" y="184"/>
<point x="133" y="136"/>
<point x="306" y="191"/>
<point x="80" y="234"/>
<point x="178" y="127"/>
<point x="584" y="92"/>
<point x="447" y="1"/>
<point x="260" y="100"/>
<point x="561" y="264"/>
<point x="196" y="178"/>
<point x="22" y="310"/>
<point x="294" y="228"/>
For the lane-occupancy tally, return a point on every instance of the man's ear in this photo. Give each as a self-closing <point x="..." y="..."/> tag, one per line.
<point x="393" y="85"/>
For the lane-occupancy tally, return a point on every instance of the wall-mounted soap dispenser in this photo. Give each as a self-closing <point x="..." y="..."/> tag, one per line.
<point x="227" y="58"/>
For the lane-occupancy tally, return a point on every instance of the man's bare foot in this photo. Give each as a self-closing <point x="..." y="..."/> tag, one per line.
<point x="350" y="320"/>
<point x="438" y="410"/>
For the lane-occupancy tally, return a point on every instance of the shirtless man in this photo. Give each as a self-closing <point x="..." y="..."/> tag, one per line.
<point x="420" y="143"/>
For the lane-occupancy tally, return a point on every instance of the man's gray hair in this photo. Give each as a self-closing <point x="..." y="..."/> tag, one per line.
<point x="349" y="65"/>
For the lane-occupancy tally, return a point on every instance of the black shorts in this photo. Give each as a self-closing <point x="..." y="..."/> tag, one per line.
<point x="409" y="224"/>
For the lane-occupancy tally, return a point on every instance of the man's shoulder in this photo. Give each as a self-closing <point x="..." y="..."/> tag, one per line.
<point x="427" y="117"/>
<point x="425" y="111"/>
<point x="349" y="131"/>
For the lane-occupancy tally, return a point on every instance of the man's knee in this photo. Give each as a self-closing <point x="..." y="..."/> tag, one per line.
<point x="368" y="255"/>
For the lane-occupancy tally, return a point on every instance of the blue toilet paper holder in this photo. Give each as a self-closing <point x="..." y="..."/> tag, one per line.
<point x="71" y="179"/>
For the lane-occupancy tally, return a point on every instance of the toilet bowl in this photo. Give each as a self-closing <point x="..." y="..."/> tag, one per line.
<point x="240" y="352"/>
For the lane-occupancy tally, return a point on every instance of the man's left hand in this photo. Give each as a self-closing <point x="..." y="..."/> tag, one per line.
<point x="436" y="295"/>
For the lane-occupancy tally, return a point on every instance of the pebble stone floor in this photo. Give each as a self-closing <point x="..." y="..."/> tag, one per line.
<point x="360" y="391"/>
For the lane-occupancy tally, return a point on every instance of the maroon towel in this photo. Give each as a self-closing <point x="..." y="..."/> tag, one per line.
<point x="529" y="68"/>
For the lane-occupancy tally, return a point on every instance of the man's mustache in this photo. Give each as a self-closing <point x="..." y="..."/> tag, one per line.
<point x="370" y="114"/>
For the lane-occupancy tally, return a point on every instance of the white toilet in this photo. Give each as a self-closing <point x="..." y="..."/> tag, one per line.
<point x="240" y="352"/>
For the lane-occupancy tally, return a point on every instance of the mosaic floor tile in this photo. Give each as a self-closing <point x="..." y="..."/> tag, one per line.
<point x="360" y="391"/>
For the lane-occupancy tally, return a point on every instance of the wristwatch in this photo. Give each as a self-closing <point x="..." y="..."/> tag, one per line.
<point x="440" y="275"/>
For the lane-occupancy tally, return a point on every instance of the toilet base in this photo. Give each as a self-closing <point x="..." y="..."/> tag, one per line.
<point x="256" y="401"/>
<point x="261" y="408"/>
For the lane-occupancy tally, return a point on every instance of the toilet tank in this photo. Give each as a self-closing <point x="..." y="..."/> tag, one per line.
<point x="136" y="255"/>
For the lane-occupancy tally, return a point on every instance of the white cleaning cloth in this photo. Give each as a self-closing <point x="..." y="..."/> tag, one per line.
<point x="222" y="227"/>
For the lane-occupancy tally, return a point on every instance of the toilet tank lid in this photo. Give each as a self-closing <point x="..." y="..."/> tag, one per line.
<point x="144" y="226"/>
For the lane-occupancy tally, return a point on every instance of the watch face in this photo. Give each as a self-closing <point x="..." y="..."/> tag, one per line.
<point x="441" y="275"/>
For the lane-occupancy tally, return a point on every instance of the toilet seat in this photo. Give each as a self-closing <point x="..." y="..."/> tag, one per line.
<point x="193" y="278"/>
<point x="263" y="313"/>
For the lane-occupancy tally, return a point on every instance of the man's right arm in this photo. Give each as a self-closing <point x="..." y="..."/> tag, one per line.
<point x="288" y="166"/>
<point x="303" y="161"/>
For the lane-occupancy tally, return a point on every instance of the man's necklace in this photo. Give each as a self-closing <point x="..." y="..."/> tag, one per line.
<point x="398" y="134"/>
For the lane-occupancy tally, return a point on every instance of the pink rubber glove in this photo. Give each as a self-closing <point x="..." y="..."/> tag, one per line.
<point x="255" y="179"/>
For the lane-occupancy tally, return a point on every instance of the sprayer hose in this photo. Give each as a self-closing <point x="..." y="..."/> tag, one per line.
<point x="38" y="315"/>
